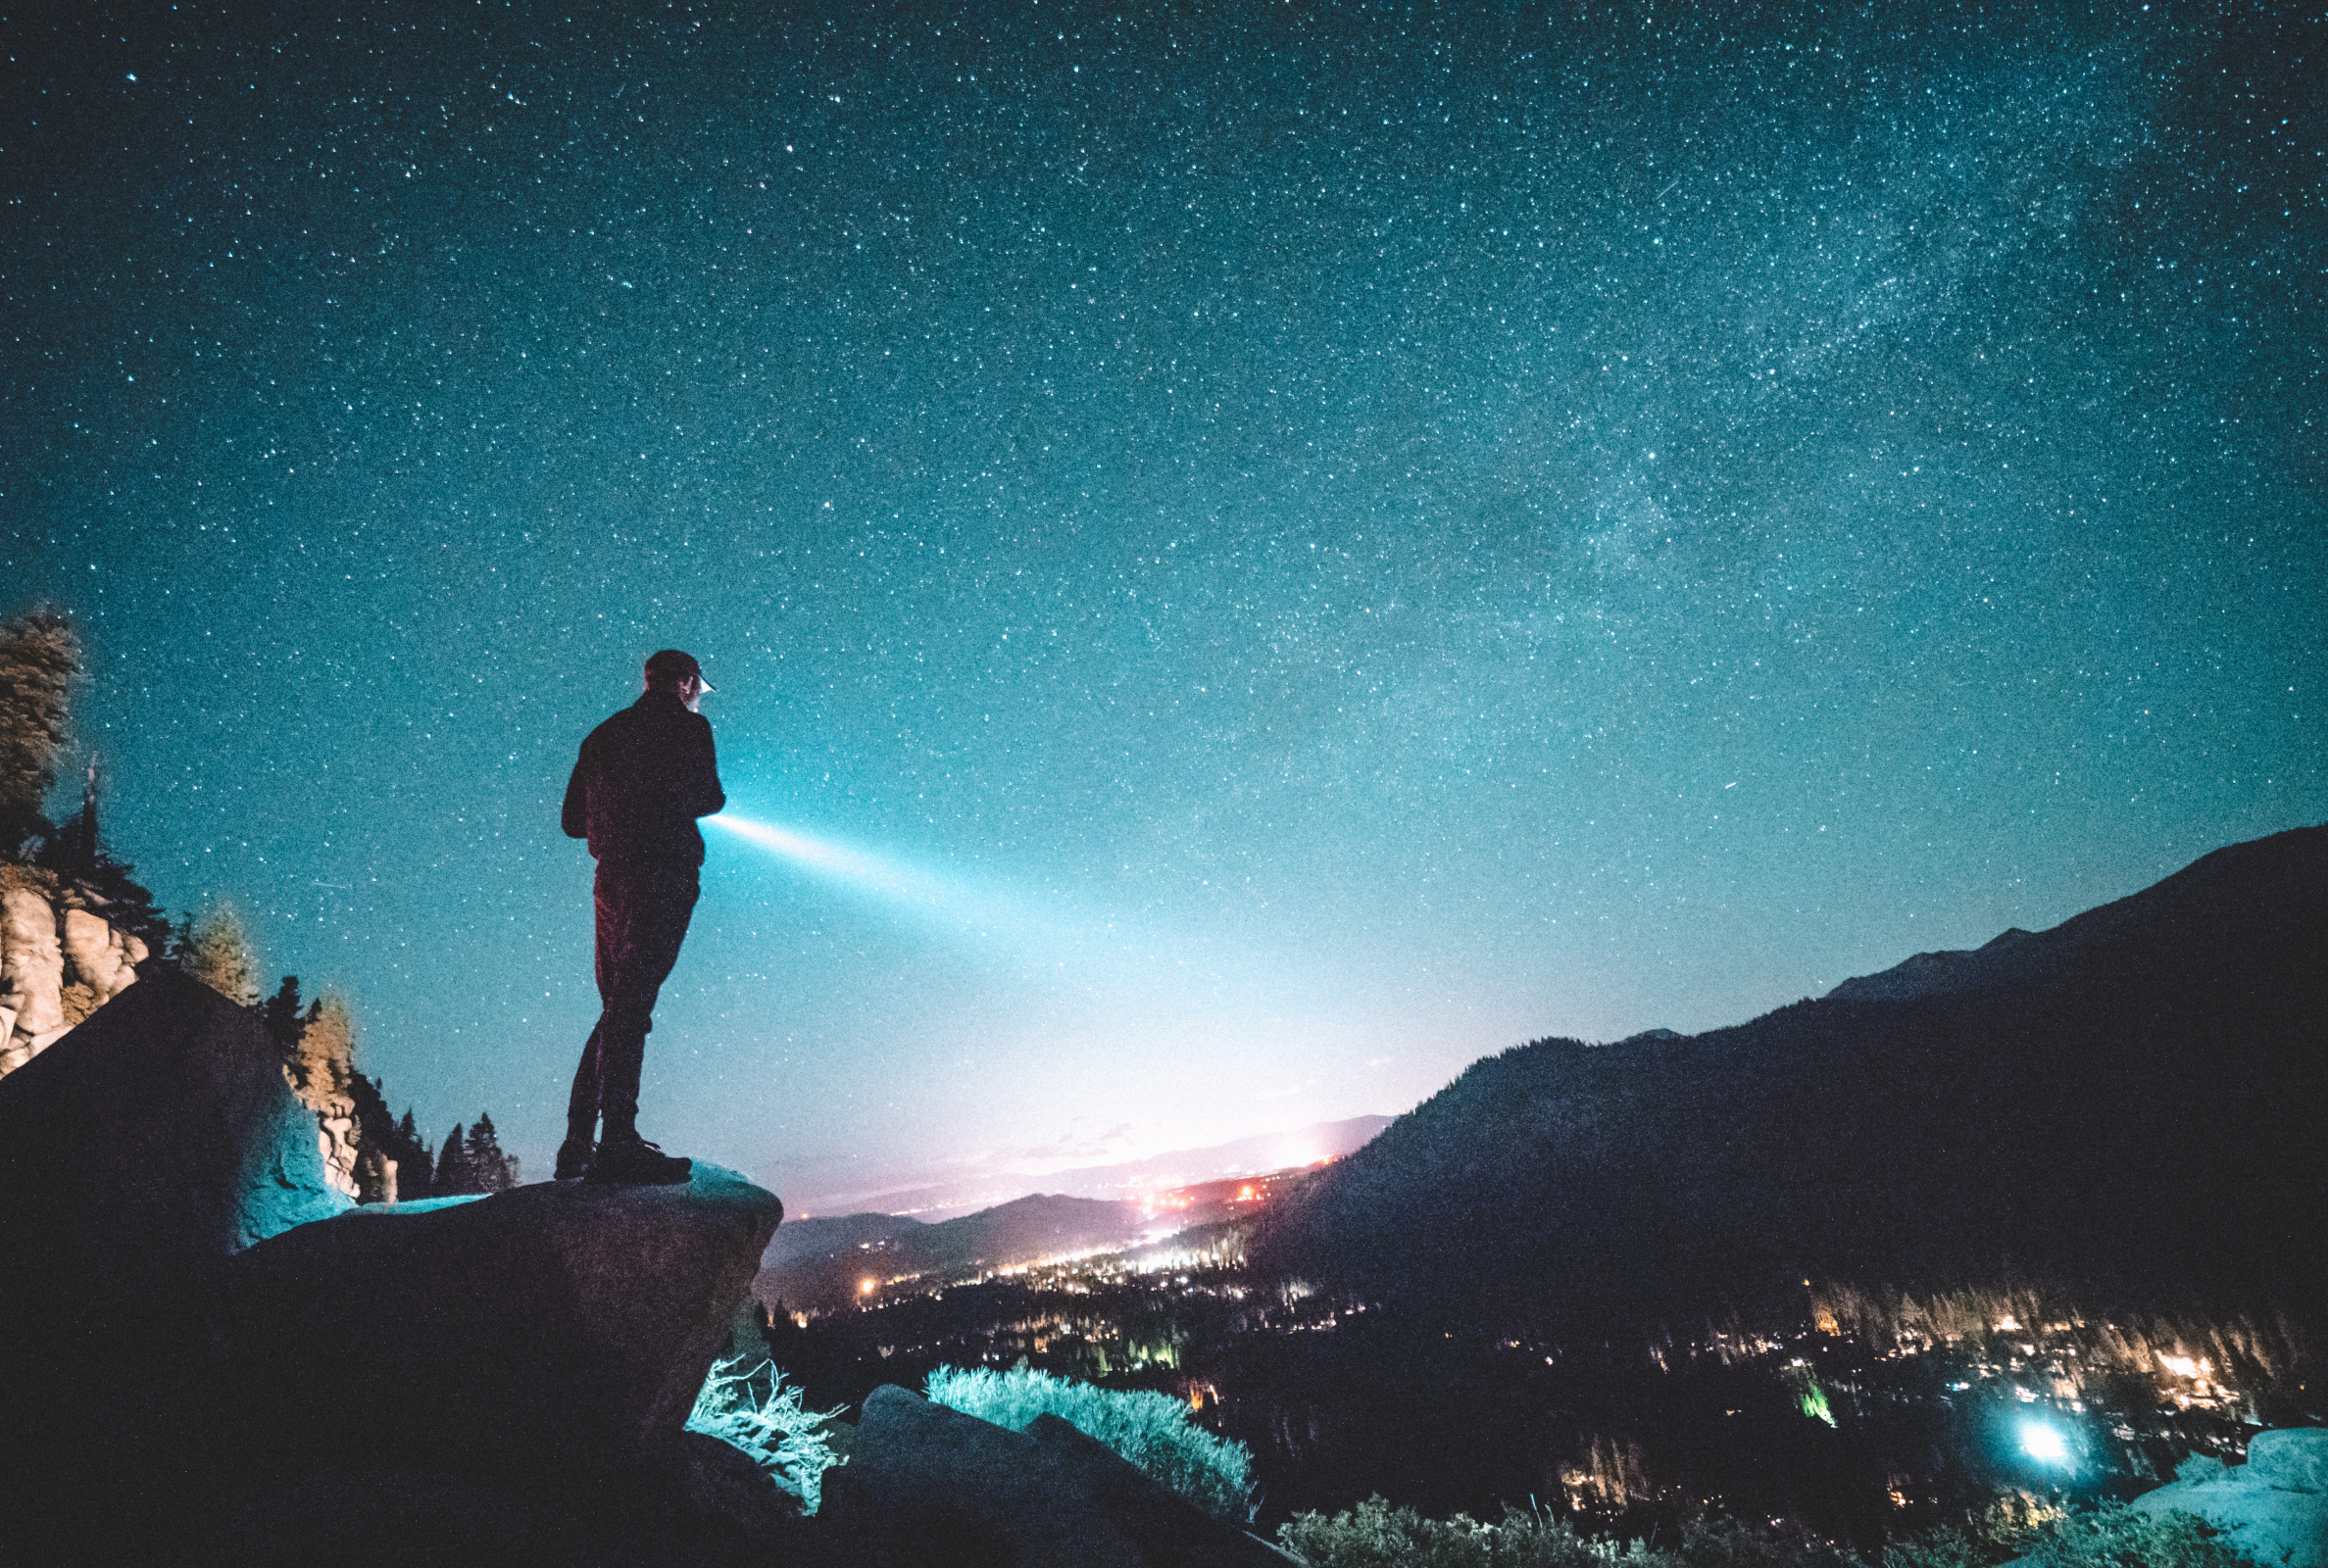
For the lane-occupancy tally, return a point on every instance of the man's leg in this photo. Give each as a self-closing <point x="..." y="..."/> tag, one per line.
<point x="581" y="1102"/>
<point x="581" y="1113"/>
<point x="653" y="910"/>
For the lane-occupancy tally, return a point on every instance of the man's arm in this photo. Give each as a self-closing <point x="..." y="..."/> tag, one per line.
<point x="705" y="796"/>
<point x="575" y="817"/>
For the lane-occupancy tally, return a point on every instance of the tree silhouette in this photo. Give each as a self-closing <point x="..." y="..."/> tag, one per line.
<point x="454" y="1176"/>
<point x="39" y="660"/>
<point x="281" y="1015"/>
<point x="492" y="1170"/>
<point x="217" y="951"/>
<point x="417" y="1176"/>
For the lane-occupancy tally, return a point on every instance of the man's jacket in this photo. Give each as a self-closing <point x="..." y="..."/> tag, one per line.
<point x="643" y="778"/>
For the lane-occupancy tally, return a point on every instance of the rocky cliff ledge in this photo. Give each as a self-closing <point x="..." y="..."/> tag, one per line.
<point x="199" y="1339"/>
<point x="60" y="960"/>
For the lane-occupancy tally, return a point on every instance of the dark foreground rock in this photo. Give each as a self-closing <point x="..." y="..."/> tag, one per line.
<point x="503" y="1379"/>
<point x="499" y="1380"/>
<point x="695" y="1503"/>
<point x="206" y="1355"/>
<point x="558" y="1329"/>
<point x="137" y="1155"/>
<point x="2274" y="1508"/>
<point x="926" y="1486"/>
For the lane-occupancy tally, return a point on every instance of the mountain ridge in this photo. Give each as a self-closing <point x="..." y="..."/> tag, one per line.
<point x="2129" y="1098"/>
<point x="2197" y="892"/>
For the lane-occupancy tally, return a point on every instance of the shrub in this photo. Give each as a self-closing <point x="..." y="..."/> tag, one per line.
<point x="756" y="1413"/>
<point x="1153" y="1431"/>
<point x="2109" y="1537"/>
<point x="1374" y="1535"/>
<point x="2118" y="1537"/>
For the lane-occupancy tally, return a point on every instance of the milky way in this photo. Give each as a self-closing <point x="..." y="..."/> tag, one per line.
<point x="1344" y="538"/>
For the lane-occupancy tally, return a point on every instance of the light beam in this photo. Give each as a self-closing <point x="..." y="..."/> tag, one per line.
<point x="839" y="861"/>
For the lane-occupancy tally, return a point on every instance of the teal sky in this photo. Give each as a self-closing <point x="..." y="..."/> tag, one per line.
<point x="1310" y="543"/>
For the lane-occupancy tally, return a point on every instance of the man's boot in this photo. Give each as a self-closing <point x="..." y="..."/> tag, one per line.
<point x="632" y="1160"/>
<point x="573" y="1156"/>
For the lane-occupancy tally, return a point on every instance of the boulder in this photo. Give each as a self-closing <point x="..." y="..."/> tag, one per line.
<point x="139" y="1151"/>
<point x="2274" y="1508"/>
<point x="552" y="1333"/>
<point x="201" y="1342"/>
<point x="716" y="1495"/>
<point x="98" y="956"/>
<point x="137" y="1155"/>
<point x="1170" y="1529"/>
<point x="926" y="1486"/>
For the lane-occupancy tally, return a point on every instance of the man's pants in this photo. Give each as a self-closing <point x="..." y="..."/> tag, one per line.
<point x="642" y="917"/>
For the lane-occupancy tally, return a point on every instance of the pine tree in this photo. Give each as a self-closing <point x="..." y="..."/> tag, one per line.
<point x="492" y="1169"/>
<point x="322" y="1057"/>
<point x="415" y="1170"/>
<point x="129" y="905"/>
<point x="216" y="950"/>
<point x="376" y="1129"/>
<point x="281" y="1015"/>
<point x="376" y="1124"/>
<point x="83" y="836"/>
<point x="39" y="660"/>
<point x="454" y="1176"/>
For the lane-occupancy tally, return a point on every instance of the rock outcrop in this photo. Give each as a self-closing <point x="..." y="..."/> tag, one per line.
<point x="2274" y="1508"/>
<point x="202" y="1345"/>
<point x="320" y="1066"/>
<point x="926" y="1486"/>
<point x="60" y="962"/>
<point x="156" y="1141"/>
<point x="559" y="1330"/>
<point x="137" y="1156"/>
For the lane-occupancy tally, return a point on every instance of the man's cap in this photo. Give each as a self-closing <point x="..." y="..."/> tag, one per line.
<point x="671" y="666"/>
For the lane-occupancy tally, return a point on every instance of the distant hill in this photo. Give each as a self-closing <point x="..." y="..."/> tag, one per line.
<point x="2132" y="1101"/>
<point x="1254" y="1156"/>
<point x="819" y="1265"/>
<point x="1247" y="1156"/>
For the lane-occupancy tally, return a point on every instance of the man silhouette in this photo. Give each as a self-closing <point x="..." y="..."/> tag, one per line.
<point x="642" y="779"/>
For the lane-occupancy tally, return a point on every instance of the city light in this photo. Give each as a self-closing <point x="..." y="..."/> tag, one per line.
<point x="2043" y="1444"/>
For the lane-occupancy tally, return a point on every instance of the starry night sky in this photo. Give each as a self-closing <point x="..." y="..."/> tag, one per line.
<point x="1301" y="544"/>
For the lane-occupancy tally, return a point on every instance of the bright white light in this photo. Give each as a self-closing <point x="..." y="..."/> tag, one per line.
<point x="987" y="911"/>
<point x="2043" y="1444"/>
<point x="2180" y="1365"/>
<point x="825" y="856"/>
